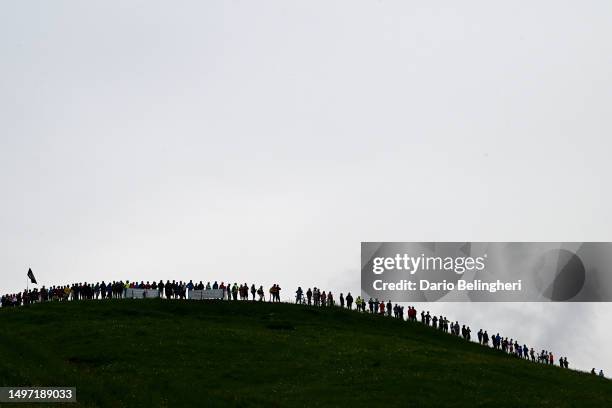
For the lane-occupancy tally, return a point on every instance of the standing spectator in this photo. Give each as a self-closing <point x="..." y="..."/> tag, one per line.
<point x="349" y="301"/>
<point x="261" y="293"/>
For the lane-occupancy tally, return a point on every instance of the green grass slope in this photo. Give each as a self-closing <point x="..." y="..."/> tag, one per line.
<point x="182" y="353"/>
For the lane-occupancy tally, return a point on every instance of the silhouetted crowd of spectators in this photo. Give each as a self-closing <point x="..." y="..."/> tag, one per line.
<point x="316" y="297"/>
<point x="312" y="297"/>
<point x="117" y="290"/>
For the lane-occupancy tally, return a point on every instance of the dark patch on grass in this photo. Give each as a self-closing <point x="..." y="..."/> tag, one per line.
<point x="312" y="311"/>
<point x="90" y="361"/>
<point x="280" y="325"/>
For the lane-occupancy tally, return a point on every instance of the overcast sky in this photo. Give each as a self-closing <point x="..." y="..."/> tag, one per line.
<point x="263" y="141"/>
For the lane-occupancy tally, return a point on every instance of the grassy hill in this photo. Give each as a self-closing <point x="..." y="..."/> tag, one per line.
<point x="172" y="353"/>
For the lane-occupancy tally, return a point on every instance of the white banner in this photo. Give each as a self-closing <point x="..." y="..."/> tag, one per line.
<point x="141" y="293"/>
<point x="206" y="294"/>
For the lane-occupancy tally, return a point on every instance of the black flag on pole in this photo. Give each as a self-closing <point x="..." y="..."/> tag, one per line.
<point x="31" y="276"/>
